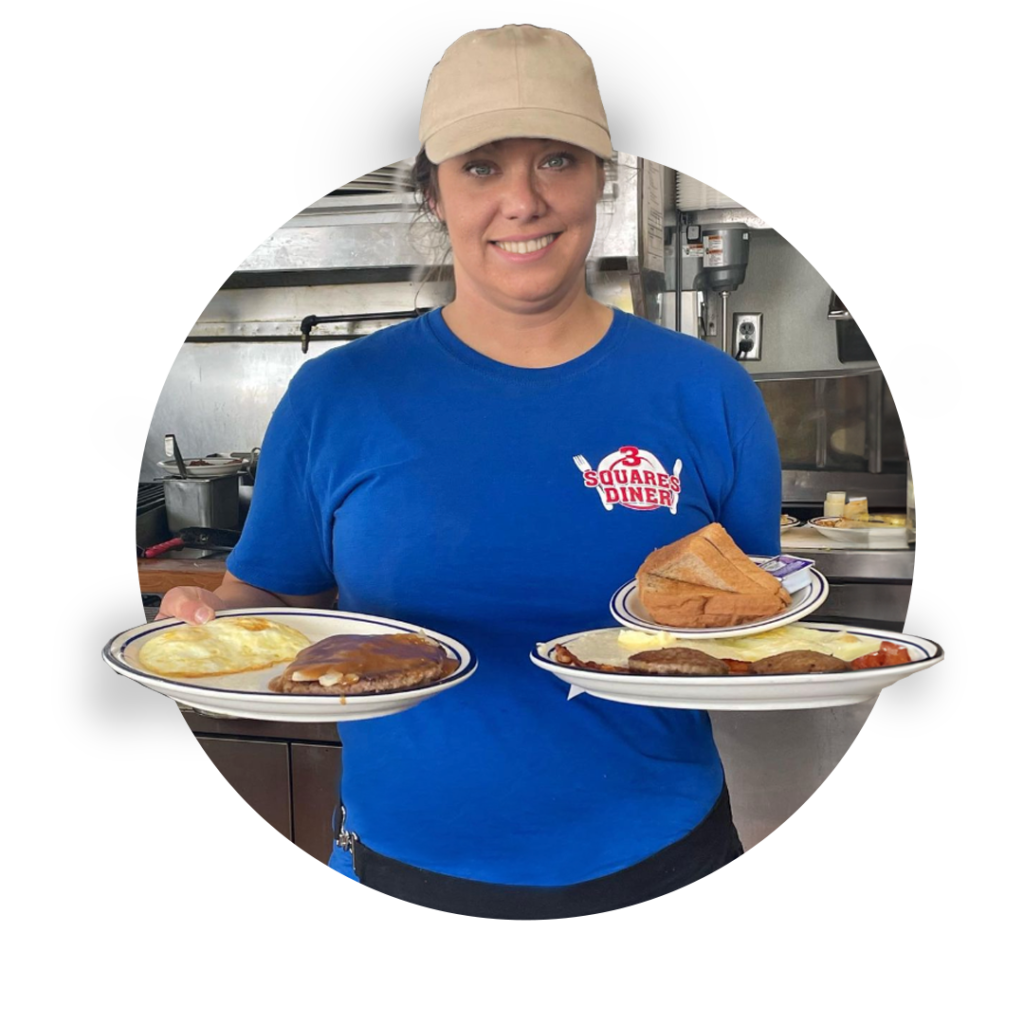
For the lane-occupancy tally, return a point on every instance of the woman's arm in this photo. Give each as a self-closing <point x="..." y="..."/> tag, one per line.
<point x="194" y="604"/>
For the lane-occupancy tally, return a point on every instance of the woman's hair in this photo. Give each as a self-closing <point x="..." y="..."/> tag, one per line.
<point x="424" y="181"/>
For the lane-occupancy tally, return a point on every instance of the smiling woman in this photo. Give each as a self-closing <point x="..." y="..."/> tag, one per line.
<point x="520" y="215"/>
<point x="436" y="473"/>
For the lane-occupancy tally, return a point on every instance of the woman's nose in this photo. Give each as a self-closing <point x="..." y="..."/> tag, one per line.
<point x="521" y="197"/>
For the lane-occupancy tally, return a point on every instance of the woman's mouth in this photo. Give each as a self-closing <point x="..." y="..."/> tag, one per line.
<point x="525" y="248"/>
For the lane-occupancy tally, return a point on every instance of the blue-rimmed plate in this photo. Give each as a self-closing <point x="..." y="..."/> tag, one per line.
<point x="626" y="608"/>
<point x="787" y="522"/>
<point x="739" y="692"/>
<point x="246" y="694"/>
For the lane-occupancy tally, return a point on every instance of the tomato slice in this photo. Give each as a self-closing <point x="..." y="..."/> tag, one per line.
<point x="867" y="660"/>
<point x="887" y="654"/>
<point x="894" y="654"/>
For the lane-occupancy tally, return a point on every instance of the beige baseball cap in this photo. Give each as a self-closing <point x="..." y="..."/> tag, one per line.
<point x="517" y="81"/>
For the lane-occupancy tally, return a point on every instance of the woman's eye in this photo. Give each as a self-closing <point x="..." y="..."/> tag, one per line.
<point x="558" y="161"/>
<point x="479" y="170"/>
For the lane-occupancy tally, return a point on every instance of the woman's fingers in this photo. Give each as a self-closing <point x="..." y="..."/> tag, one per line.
<point x="193" y="604"/>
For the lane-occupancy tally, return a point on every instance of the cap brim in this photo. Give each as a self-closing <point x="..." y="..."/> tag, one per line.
<point x="470" y="133"/>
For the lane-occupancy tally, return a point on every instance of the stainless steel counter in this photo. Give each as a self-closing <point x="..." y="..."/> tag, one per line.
<point x="896" y="566"/>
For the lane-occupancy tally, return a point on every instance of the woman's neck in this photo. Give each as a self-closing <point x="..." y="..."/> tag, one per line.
<point x="531" y="339"/>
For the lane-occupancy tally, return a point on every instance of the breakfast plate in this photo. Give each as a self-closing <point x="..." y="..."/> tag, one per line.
<point x="626" y="609"/>
<point x="246" y="694"/>
<point x="742" y="692"/>
<point x="209" y="467"/>
<point x="787" y="523"/>
<point x="861" y="536"/>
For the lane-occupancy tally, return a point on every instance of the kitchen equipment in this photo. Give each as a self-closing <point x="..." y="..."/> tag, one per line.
<point x="150" y="516"/>
<point x="212" y="501"/>
<point x="210" y="465"/>
<point x="693" y="195"/>
<point x="172" y="452"/>
<point x="911" y="500"/>
<point x="726" y="249"/>
<point x="195" y="537"/>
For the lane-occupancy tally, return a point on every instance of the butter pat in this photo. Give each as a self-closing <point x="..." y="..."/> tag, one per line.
<point x="638" y="640"/>
<point x="792" y="572"/>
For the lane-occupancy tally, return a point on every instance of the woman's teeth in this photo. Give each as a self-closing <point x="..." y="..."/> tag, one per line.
<point x="524" y="247"/>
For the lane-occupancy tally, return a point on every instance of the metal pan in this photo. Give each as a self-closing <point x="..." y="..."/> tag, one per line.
<point x="206" y="538"/>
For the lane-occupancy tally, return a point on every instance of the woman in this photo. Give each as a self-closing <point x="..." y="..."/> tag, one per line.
<point x="437" y="472"/>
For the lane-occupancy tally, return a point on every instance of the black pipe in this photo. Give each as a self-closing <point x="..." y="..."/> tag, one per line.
<point x="309" y="322"/>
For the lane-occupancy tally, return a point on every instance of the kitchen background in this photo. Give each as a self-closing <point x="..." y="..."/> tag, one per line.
<point x="667" y="248"/>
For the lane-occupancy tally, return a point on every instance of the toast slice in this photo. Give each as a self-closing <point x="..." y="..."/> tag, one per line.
<point x="704" y="580"/>
<point x="673" y="603"/>
<point x="710" y="558"/>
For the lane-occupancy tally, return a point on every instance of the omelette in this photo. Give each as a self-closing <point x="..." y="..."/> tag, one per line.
<point x="614" y="646"/>
<point x="221" y="647"/>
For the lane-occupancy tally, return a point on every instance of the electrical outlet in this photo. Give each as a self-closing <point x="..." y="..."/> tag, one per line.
<point x="747" y="328"/>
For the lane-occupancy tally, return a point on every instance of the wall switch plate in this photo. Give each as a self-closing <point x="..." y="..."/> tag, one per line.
<point x="747" y="327"/>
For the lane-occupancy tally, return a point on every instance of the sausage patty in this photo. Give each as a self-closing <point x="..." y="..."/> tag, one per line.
<point x="794" y="662"/>
<point x="677" y="661"/>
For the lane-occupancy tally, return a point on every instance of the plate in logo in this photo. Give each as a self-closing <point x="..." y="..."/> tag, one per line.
<point x="633" y="478"/>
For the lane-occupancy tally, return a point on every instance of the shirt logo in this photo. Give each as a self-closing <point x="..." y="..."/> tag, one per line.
<point x="633" y="478"/>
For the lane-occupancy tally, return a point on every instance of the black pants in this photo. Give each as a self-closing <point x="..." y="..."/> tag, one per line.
<point x="709" y="846"/>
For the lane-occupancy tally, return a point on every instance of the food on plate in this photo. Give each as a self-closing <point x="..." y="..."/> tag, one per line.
<point x="677" y="661"/>
<point x="867" y="523"/>
<point x="223" y="646"/>
<point x="856" y="508"/>
<point x="619" y="651"/>
<point x="704" y="581"/>
<point x="356" y="663"/>
<point x="888" y="654"/>
<point x="798" y="662"/>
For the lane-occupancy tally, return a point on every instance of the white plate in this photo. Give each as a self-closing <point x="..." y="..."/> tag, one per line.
<point x="787" y="523"/>
<point x="866" y="536"/>
<point x="216" y="467"/>
<point x="747" y="693"/>
<point x="245" y="694"/>
<point x="626" y="608"/>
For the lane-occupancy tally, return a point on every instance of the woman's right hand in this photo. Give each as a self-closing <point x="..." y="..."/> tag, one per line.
<point x="193" y="604"/>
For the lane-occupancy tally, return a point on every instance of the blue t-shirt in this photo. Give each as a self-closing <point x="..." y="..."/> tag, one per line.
<point x="503" y="506"/>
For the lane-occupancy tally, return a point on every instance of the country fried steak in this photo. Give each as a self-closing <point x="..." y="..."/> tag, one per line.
<point x="353" y="664"/>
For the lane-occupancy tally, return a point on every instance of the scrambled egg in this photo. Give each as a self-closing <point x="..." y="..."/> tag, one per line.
<point x="221" y="647"/>
<point x="613" y="647"/>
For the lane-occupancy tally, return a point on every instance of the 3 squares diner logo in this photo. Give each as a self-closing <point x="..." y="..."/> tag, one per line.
<point x="633" y="478"/>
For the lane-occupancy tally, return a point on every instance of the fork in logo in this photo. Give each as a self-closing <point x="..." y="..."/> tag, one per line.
<point x="584" y="467"/>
